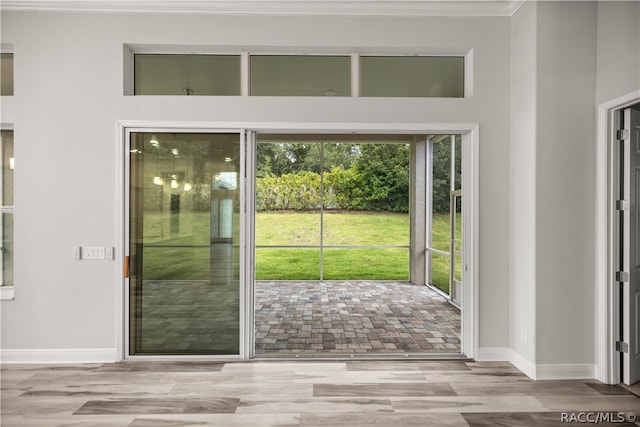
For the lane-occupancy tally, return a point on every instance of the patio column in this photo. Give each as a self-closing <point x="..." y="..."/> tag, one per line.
<point x="418" y="211"/>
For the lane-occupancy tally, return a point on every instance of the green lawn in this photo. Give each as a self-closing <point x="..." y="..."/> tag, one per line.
<point x="340" y="229"/>
<point x="353" y="228"/>
<point x="295" y="229"/>
<point x="339" y="264"/>
<point x="441" y="239"/>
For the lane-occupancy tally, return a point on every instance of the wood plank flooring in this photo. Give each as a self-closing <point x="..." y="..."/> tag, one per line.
<point x="301" y="393"/>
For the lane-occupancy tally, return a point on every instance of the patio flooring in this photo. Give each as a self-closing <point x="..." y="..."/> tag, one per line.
<point x="315" y="318"/>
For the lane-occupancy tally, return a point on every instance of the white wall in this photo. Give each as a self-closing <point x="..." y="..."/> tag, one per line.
<point x="522" y="191"/>
<point x="69" y="95"/>
<point x="552" y="193"/>
<point x="618" y="49"/>
<point x="565" y="183"/>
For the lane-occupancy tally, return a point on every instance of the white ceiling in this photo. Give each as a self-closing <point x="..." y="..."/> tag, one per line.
<point x="278" y="7"/>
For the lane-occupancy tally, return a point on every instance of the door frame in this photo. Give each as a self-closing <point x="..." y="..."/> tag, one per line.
<point x="606" y="292"/>
<point x="247" y="130"/>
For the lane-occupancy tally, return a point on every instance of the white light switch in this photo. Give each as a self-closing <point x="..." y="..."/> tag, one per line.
<point x="93" y="252"/>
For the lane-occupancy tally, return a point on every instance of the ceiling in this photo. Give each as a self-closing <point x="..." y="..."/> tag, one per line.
<point x="278" y="7"/>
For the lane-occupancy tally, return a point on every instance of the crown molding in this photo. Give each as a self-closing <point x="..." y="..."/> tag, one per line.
<point x="276" y="7"/>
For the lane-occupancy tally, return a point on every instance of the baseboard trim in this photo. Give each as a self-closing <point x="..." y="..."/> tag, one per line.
<point x="493" y="354"/>
<point x="525" y="365"/>
<point x="66" y="355"/>
<point x="565" y="372"/>
<point x="485" y="354"/>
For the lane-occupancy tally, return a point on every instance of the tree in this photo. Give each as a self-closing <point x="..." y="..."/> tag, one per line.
<point x="442" y="173"/>
<point x="384" y="171"/>
<point x="282" y="158"/>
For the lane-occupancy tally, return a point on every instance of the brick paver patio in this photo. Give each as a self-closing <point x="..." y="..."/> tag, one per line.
<point x="353" y="318"/>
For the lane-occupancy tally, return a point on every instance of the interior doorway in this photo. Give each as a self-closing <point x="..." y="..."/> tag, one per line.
<point x="627" y="232"/>
<point x="616" y="214"/>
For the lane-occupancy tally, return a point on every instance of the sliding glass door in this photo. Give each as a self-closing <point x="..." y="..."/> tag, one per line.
<point x="444" y="235"/>
<point x="184" y="243"/>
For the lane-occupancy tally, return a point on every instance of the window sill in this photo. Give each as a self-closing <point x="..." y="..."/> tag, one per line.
<point x="6" y="293"/>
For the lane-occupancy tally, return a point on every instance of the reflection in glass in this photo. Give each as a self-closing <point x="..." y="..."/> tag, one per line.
<point x="458" y="220"/>
<point x="445" y="239"/>
<point x="184" y="243"/>
<point x="6" y="202"/>
<point x="300" y="75"/>
<point x="6" y="74"/>
<point x="441" y="195"/>
<point x="162" y="74"/>
<point x="7" y="249"/>
<point x="440" y="268"/>
<point x="8" y="166"/>
<point x="458" y="162"/>
<point x="412" y="76"/>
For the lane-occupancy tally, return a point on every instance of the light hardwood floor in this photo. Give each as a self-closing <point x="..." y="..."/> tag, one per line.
<point x="300" y="393"/>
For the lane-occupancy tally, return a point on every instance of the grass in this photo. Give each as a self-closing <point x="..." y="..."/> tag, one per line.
<point x="353" y="228"/>
<point x="295" y="229"/>
<point x="340" y="229"/>
<point x="339" y="264"/>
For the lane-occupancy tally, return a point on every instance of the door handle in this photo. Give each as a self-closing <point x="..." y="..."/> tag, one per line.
<point x="126" y="266"/>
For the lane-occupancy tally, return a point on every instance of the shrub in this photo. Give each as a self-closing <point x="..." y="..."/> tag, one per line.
<point x="299" y="191"/>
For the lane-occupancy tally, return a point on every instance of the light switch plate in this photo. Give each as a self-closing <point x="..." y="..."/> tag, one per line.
<point x="93" y="252"/>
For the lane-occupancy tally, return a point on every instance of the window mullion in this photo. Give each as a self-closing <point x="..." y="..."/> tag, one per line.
<point x="355" y="75"/>
<point x="244" y="74"/>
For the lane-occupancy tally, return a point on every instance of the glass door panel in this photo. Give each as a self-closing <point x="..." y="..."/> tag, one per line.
<point x="444" y="246"/>
<point x="184" y="244"/>
<point x="440" y="227"/>
<point x="456" y="245"/>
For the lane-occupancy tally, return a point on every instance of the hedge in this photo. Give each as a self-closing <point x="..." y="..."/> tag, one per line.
<point x="343" y="189"/>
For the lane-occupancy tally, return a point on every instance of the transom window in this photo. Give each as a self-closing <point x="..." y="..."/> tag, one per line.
<point x="6" y="214"/>
<point x="344" y="75"/>
<point x="6" y="74"/>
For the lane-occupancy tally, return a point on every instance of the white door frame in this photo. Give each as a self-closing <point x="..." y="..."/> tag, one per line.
<point x="470" y="211"/>
<point x="607" y="295"/>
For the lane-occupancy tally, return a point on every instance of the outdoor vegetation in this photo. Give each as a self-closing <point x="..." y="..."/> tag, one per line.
<point x="362" y="190"/>
<point x="186" y="255"/>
